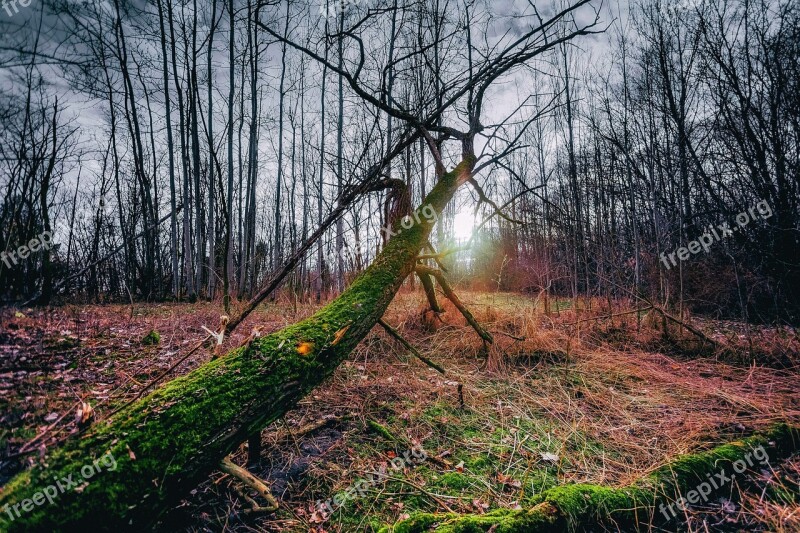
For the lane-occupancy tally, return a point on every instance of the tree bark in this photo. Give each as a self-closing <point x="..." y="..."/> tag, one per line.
<point x="169" y="441"/>
<point x="227" y="272"/>
<point x="584" y="506"/>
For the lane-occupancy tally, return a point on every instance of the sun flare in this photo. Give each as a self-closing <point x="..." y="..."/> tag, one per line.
<point x="463" y="225"/>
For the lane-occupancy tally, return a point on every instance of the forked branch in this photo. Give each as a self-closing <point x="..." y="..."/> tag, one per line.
<point x="252" y="482"/>
<point x="448" y="292"/>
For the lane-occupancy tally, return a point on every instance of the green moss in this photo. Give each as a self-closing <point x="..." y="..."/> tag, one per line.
<point x="454" y="480"/>
<point x="540" y="518"/>
<point x="579" y="506"/>
<point x="382" y="431"/>
<point x="478" y="462"/>
<point x="153" y="338"/>
<point x="168" y="442"/>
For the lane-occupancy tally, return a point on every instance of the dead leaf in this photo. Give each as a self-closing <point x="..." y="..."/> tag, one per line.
<point x="508" y="481"/>
<point x="549" y="457"/>
<point x="728" y="506"/>
<point x="480" y="506"/>
<point x="317" y="517"/>
<point x="84" y="414"/>
<point x="339" y="334"/>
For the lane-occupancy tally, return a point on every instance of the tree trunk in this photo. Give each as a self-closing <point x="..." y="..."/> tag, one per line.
<point x="588" y="507"/>
<point x="169" y="441"/>
<point x="227" y="272"/>
<point x="171" y="156"/>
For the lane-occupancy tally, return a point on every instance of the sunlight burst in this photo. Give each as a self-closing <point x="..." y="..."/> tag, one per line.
<point x="463" y="225"/>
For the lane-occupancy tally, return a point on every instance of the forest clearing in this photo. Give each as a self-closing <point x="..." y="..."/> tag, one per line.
<point x="598" y="402"/>
<point x="399" y="266"/>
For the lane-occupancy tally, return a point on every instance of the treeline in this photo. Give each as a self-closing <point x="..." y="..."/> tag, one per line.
<point x="207" y="141"/>
<point x="676" y="174"/>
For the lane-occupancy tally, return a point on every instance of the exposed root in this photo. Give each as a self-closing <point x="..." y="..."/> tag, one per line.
<point x="252" y="482"/>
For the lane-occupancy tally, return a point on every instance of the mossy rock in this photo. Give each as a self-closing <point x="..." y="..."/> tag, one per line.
<point x="153" y="338"/>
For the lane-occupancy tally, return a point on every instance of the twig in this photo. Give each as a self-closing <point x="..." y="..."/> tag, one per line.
<point x="396" y="335"/>
<point x="692" y="329"/>
<point x="443" y="253"/>
<point x="509" y="335"/>
<point x="380" y="429"/>
<point x="24" y="449"/>
<point x="160" y="377"/>
<point x="664" y="314"/>
<point x="436" y="498"/>
<point x="250" y="481"/>
<point x="610" y="316"/>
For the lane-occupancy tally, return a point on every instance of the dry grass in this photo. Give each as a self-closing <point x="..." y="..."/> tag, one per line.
<point x="611" y="398"/>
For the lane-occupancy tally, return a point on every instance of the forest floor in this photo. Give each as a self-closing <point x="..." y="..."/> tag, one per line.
<point x="566" y="397"/>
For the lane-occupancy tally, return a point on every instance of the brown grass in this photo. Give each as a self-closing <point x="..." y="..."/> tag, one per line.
<point x="616" y="381"/>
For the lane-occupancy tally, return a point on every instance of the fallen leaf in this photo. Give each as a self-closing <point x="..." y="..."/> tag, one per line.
<point x="339" y="334"/>
<point x="84" y="414"/>
<point x="508" y="481"/>
<point x="480" y="506"/>
<point x="728" y="506"/>
<point x="317" y="517"/>
<point x="549" y="457"/>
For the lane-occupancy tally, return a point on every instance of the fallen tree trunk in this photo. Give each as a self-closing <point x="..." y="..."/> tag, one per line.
<point x="651" y="500"/>
<point x="168" y="442"/>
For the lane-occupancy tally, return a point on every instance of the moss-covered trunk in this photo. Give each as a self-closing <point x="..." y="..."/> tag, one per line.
<point x="167" y="443"/>
<point x="650" y="500"/>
